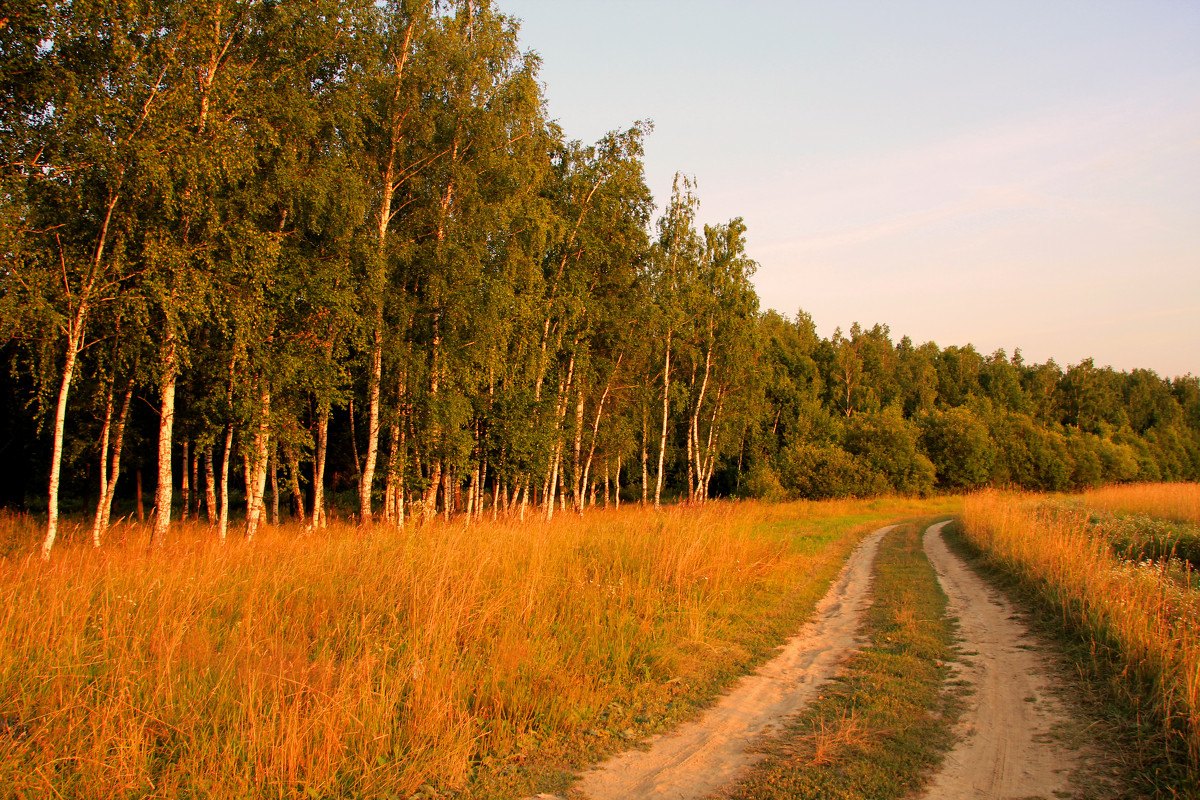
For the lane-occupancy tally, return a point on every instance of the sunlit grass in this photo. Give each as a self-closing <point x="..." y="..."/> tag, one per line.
<point x="1179" y="502"/>
<point x="366" y="664"/>
<point x="1141" y="623"/>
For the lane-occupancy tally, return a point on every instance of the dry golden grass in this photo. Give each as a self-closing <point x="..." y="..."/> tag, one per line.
<point x="1153" y="622"/>
<point x="1178" y="502"/>
<point x="351" y="664"/>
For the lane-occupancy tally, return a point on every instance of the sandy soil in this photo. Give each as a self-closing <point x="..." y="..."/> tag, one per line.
<point x="1005" y="748"/>
<point x="712" y="751"/>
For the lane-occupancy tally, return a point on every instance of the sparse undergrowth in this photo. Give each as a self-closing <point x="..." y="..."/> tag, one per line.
<point x="878" y="730"/>
<point x="445" y="660"/>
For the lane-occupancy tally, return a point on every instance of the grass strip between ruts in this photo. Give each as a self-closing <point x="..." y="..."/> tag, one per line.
<point x="881" y="727"/>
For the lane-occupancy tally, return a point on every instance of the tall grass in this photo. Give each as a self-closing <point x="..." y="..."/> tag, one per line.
<point x="1178" y="502"/>
<point x="1137" y="619"/>
<point x="352" y="664"/>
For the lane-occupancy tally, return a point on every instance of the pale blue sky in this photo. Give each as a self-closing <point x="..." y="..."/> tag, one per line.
<point x="1010" y="174"/>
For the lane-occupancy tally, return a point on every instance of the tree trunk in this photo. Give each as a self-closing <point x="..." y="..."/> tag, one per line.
<point x="576" y="465"/>
<point x="210" y="485"/>
<point x="710" y="451"/>
<point x="76" y="326"/>
<point x="560" y="412"/>
<point x="694" y="451"/>
<point x="368" y="473"/>
<point x="223" y="514"/>
<point x="431" y="494"/>
<point x="662" y="442"/>
<point x="108" y="484"/>
<point x="256" y="465"/>
<point x="273" y="470"/>
<point x="74" y="343"/>
<point x="166" y="427"/>
<point x="617" y="485"/>
<point x="645" y="452"/>
<point x="226" y="458"/>
<point x="607" y="483"/>
<point x="317" y="516"/>
<point x="393" y="504"/>
<point x="293" y="459"/>
<point x="104" y="432"/>
<point x="587" y="469"/>
<point x="185" y="488"/>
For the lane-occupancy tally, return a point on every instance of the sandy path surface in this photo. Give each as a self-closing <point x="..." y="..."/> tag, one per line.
<point x="1005" y="748"/>
<point x="700" y="757"/>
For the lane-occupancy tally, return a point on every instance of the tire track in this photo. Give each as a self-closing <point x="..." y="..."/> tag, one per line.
<point x="712" y="751"/>
<point x="1006" y="749"/>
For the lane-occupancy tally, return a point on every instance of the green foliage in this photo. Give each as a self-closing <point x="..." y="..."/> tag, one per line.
<point x="887" y="443"/>
<point x="959" y="446"/>
<point x="359" y="212"/>
<point x="814" y="471"/>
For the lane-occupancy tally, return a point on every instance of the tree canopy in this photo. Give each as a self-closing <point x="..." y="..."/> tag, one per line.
<point x="336" y="252"/>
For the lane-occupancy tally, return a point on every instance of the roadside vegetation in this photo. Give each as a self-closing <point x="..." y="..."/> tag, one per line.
<point x="1136" y="620"/>
<point x="447" y="658"/>
<point x="885" y="723"/>
<point x="1150" y="522"/>
<point x="1174" y="502"/>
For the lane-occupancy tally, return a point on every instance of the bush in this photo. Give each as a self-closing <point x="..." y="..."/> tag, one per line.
<point x="887" y="443"/>
<point x="959" y="446"/>
<point x="817" y="471"/>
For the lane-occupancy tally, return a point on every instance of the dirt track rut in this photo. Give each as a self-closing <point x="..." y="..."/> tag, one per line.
<point x="702" y="756"/>
<point x="1006" y="749"/>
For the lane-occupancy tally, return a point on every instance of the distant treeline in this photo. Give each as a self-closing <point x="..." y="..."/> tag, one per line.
<point x="859" y="414"/>
<point x="335" y="253"/>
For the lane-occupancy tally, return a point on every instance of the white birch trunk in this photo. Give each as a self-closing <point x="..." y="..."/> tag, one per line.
<point x="166" y="426"/>
<point x="104" y="431"/>
<point x="74" y="342"/>
<point x="111" y="463"/>
<point x="256" y="466"/>
<point x="317" y="515"/>
<point x="226" y="458"/>
<point x="368" y="472"/>
<point x="617" y="485"/>
<point x="576" y="465"/>
<point x="210" y="486"/>
<point x="662" y="442"/>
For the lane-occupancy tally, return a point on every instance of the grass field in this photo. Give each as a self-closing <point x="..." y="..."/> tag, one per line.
<point x="1175" y="502"/>
<point x="1138" y="622"/>
<point x="446" y="659"/>
<point x="1148" y="521"/>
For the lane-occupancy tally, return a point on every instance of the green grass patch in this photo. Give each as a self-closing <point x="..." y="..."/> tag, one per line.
<point x="884" y="724"/>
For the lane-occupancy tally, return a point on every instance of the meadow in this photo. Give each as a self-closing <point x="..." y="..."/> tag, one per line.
<point x="442" y="660"/>
<point x="1138" y="618"/>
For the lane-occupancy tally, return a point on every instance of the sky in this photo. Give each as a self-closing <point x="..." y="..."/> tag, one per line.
<point x="1008" y="174"/>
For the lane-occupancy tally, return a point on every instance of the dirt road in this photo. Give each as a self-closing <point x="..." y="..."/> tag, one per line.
<point x="1005" y="748"/>
<point x="702" y="756"/>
